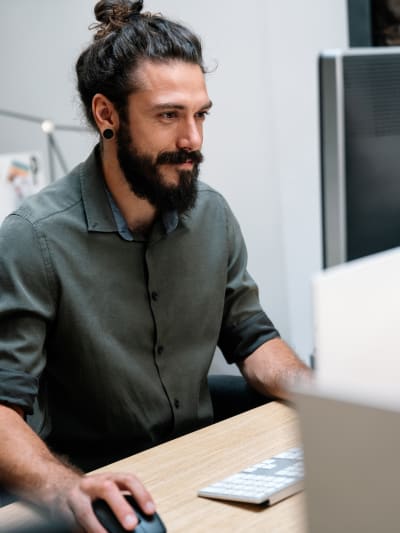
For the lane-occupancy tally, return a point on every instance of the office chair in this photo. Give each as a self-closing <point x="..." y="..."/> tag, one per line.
<point x="231" y="395"/>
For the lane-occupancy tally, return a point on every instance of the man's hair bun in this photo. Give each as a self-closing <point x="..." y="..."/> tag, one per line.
<point x="112" y="15"/>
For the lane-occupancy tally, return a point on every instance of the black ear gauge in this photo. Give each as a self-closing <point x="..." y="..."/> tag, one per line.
<point x="108" y="133"/>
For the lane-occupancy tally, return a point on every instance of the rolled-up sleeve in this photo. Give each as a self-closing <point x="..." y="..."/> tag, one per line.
<point x="26" y="309"/>
<point x="18" y="388"/>
<point x="245" y="325"/>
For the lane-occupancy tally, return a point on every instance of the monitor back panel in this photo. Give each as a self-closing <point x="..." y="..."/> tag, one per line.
<point x="357" y="324"/>
<point x="352" y="467"/>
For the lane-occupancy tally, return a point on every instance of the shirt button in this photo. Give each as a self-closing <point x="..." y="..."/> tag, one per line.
<point x="177" y="403"/>
<point x="160" y="349"/>
<point x="154" y="296"/>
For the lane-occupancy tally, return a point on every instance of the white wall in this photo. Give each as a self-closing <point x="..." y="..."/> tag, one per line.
<point x="39" y="42"/>
<point x="297" y="32"/>
<point x="262" y="136"/>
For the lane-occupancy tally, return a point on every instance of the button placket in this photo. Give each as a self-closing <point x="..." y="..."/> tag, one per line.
<point x="154" y="296"/>
<point x="159" y="349"/>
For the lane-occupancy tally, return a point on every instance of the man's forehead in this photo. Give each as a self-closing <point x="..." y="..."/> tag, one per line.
<point x="162" y="79"/>
<point x="151" y="69"/>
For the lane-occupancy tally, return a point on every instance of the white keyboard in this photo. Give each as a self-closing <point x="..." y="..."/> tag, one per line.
<point x="269" y="482"/>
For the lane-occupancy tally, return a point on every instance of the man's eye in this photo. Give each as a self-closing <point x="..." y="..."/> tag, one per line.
<point x="202" y="115"/>
<point x="168" y="115"/>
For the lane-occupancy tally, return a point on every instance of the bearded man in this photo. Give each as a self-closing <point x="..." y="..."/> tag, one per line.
<point x="118" y="281"/>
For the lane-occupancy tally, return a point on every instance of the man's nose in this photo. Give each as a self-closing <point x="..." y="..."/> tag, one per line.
<point x="190" y="136"/>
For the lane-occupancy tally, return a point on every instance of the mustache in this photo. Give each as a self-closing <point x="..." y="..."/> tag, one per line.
<point x="179" y="157"/>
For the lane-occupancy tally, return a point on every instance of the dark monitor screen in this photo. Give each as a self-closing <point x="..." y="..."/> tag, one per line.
<point x="360" y="152"/>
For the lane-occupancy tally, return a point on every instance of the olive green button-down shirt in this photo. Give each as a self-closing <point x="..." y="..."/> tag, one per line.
<point x="108" y="340"/>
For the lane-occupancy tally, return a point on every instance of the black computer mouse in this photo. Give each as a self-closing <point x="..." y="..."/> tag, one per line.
<point x="147" y="523"/>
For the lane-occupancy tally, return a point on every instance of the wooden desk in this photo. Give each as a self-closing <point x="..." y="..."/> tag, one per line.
<point x="175" y="470"/>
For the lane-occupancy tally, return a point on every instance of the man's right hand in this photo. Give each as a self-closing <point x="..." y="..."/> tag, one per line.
<point x="76" y="502"/>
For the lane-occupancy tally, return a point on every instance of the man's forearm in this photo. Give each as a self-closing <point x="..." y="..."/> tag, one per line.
<point x="274" y="368"/>
<point x="27" y="466"/>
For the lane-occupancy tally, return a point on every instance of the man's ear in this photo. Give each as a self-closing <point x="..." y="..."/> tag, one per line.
<point x="104" y="113"/>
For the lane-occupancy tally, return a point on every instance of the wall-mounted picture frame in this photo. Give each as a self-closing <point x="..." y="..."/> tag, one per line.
<point x="374" y="22"/>
<point x="21" y="175"/>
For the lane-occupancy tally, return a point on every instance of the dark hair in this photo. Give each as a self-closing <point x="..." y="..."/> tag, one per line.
<point x="124" y="38"/>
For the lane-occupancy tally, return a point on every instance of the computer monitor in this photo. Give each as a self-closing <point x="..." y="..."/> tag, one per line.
<point x="350" y="415"/>
<point x="360" y="152"/>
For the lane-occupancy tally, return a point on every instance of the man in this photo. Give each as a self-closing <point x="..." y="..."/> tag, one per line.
<point x="118" y="282"/>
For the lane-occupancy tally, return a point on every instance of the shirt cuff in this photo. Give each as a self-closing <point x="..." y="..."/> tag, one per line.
<point x="19" y="389"/>
<point x="241" y="340"/>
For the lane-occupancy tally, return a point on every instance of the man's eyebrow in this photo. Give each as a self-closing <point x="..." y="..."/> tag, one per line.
<point x="208" y="105"/>
<point x="172" y="105"/>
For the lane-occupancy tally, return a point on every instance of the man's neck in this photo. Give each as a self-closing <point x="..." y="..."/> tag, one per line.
<point x="138" y="213"/>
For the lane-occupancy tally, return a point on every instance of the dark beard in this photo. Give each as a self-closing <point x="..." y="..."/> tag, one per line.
<point x="145" y="180"/>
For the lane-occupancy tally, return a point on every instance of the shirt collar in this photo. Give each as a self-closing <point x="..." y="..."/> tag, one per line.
<point x="170" y="220"/>
<point x="95" y="203"/>
<point x="122" y="226"/>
